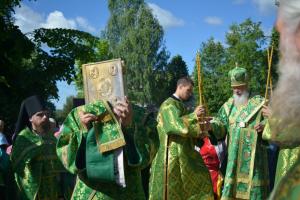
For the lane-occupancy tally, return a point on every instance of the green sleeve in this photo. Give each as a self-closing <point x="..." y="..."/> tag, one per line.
<point x="142" y="140"/>
<point x="220" y="123"/>
<point x="172" y="123"/>
<point x="286" y="139"/>
<point x="266" y="135"/>
<point x="69" y="141"/>
<point x="27" y="171"/>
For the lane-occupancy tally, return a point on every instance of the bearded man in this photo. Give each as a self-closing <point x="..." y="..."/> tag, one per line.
<point x="285" y="105"/>
<point x="246" y="174"/>
<point x="34" y="161"/>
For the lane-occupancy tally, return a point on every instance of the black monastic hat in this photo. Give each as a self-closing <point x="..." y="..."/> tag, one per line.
<point x="29" y="107"/>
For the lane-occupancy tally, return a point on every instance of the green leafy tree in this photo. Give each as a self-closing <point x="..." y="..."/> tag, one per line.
<point x="245" y="46"/>
<point x="276" y="54"/>
<point x="78" y="46"/>
<point x="160" y="80"/>
<point x="60" y="115"/>
<point x="15" y="49"/>
<point x="212" y="59"/>
<point x="136" y="36"/>
<point x="27" y="68"/>
<point x="175" y="70"/>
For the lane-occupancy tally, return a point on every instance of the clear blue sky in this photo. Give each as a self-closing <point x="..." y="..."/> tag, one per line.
<point x="186" y="23"/>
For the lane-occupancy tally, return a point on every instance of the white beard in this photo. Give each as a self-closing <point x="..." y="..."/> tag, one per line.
<point x="285" y="103"/>
<point x="242" y="99"/>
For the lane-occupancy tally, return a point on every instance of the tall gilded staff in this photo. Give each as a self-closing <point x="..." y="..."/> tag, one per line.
<point x="268" y="85"/>
<point x="201" y="119"/>
<point x="269" y="80"/>
<point x="199" y="78"/>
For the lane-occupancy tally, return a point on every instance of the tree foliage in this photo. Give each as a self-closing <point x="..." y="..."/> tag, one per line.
<point x="175" y="70"/>
<point x="136" y="36"/>
<point x="246" y="46"/>
<point x="60" y="115"/>
<point x="32" y="66"/>
<point x="15" y="52"/>
<point x="246" y="42"/>
<point x="212" y="61"/>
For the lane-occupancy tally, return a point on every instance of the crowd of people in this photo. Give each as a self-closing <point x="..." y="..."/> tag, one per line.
<point x="101" y="149"/>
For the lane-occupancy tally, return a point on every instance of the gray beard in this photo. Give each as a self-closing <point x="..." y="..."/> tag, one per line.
<point x="285" y="103"/>
<point x="241" y="100"/>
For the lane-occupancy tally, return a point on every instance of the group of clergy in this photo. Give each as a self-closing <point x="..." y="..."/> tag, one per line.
<point x="106" y="146"/>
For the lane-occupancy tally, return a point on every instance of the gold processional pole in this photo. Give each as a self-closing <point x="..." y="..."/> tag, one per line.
<point x="268" y="85"/>
<point x="269" y="81"/>
<point x="269" y="78"/>
<point x="199" y="78"/>
<point x="201" y="119"/>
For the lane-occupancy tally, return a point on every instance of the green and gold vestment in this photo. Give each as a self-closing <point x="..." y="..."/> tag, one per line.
<point x="141" y="144"/>
<point x="287" y="185"/>
<point x="287" y="157"/>
<point x="36" y="166"/>
<point x="246" y="174"/>
<point x="178" y="171"/>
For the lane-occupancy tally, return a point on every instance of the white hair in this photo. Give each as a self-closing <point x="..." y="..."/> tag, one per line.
<point x="285" y="102"/>
<point x="289" y="12"/>
<point x="241" y="99"/>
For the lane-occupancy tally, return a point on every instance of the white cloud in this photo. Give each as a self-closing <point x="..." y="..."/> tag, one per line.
<point x="213" y="20"/>
<point x="57" y="19"/>
<point x="83" y="23"/>
<point x="265" y="6"/>
<point x="29" y="20"/>
<point x="165" y="17"/>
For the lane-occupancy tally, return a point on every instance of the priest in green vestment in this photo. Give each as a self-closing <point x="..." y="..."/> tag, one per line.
<point x="288" y="155"/>
<point x="178" y="171"/>
<point x="285" y="105"/>
<point x="35" y="164"/>
<point x="240" y="120"/>
<point x="107" y="147"/>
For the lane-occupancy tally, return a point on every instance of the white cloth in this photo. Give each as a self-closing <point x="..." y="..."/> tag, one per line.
<point x="176" y="96"/>
<point x="221" y="150"/>
<point x="119" y="161"/>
